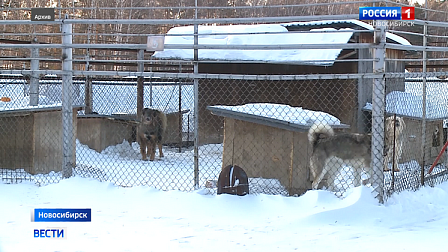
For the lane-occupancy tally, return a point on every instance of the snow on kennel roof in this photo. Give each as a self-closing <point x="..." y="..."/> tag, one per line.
<point x="264" y="34"/>
<point x="411" y="105"/>
<point x="277" y="115"/>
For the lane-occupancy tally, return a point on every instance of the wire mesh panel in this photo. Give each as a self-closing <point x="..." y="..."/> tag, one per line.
<point x="263" y="127"/>
<point x="274" y="130"/>
<point x="16" y="164"/>
<point x="108" y="143"/>
<point x="31" y="134"/>
<point x="417" y="137"/>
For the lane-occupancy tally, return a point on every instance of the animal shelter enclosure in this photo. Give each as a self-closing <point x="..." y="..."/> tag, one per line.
<point x="355" y="73"/>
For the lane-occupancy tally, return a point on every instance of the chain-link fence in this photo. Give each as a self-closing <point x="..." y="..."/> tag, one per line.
<point x="352" y="117"/>
<point x="421" y="134"/>
<point x="108" y="142"/>
<point x="261" y="126"/>
<point x="109" y="130"/>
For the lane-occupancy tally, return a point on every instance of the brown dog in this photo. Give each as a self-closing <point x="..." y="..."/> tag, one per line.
<point x="150" y="132"/>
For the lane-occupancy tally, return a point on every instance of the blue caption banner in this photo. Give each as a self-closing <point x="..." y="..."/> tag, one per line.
<point x="62" y="215"/>
<point x="379" y="13"/>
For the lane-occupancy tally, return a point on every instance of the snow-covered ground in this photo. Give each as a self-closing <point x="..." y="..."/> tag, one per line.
<point x="122" y="165"/>
<point x="143" y="218"/>
<point x="146" y="219"/>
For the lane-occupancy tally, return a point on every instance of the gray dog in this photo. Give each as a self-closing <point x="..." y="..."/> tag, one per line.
<point x="150" y="132"/>
<point x="330" y="152"/>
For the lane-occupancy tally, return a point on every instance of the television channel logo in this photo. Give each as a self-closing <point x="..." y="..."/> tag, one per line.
<point x="51" y="233"/>
<point x="386" y="13"/>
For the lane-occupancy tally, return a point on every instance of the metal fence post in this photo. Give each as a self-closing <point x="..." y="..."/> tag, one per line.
<point x="34" y="78"/>
<point x="378" y="107"/>
<point x="423" y="142"/>
<point x="88" y="95"/>
<point x="67" y="101"/>
<point x="140" y="83"/>
<point x="196" y="98"/>
<point x="88" y="98"/>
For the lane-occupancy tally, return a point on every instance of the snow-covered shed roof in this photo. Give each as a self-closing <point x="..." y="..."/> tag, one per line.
<point x="267" y="34"/>
<point x="411" y="105"/>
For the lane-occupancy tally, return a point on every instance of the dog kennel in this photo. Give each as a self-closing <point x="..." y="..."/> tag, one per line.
<point x="30" y="139"/>
<point x="269" y="148"/>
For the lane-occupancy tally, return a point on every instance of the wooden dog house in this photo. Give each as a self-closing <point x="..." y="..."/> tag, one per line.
<point x="101" y="131"/>
<point x="268" y="148"/>
<point x="31" y="139"/>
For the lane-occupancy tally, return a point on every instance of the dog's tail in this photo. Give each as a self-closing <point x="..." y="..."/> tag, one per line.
<point x="319" y="131"/>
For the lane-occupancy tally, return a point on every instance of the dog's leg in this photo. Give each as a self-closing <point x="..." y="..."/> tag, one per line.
<point x="332" y="167"/>
<point x="313" y="171"/>
<point x="369" y="171"/>
<point x="143" y="149"/>
<point x="160" y="150"/>
<point x="386" y="161"/>
<point x="317" y="165"/>
<point x="396" y="169"/>
<point x="397" y="156"/>
<point x="151" y="150"/>
<point x="357" y="172"/>
<point x="386" y="164"/>
<point x="319" y="179"/>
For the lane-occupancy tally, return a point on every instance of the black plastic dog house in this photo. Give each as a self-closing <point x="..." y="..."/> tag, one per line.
<point x="233" y="180"/>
